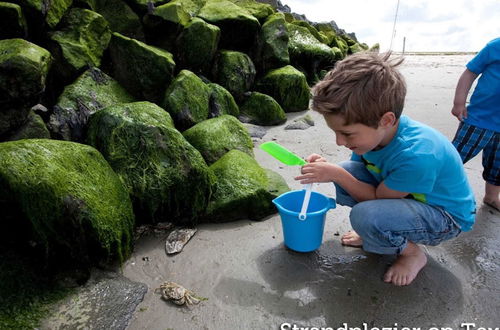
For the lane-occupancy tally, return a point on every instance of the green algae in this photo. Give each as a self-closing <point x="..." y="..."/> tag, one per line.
<point x="235" y="72"/>
<point x="50" y="12"/>
<point x="274" y="43"/>
<point x="221" y="102"/>
<point x="277" y="184"/>
<point x="259" y="10"/>
<point x="34" y="128"/>
<point x="262" y="109"/>
<point x="213" y="138"/>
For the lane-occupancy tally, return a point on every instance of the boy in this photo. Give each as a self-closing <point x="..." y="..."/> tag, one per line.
<point x="405" y="182"/>
<point x="479" y="127"/>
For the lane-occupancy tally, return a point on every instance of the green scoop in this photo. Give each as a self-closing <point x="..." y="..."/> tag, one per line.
<point x="282" y="154"/>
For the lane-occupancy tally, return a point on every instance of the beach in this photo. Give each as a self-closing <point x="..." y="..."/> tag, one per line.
<point x="252" y="281"/>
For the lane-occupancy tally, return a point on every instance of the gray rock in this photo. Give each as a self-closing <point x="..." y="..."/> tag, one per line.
<point x="256" y="131"/>
<point x="178" y="238"/>
<point x="301" y="123"/>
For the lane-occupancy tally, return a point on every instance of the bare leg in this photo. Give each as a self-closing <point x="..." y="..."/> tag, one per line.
<point x="407" y="265"/>
<point x="492" y="196"/>
<point x="351" y="238"/>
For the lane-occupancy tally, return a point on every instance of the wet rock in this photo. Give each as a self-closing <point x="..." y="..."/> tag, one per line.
<point x="221" y="102"/>
<point x="258" y="10"/>
<point x="262" y="109"/>
<point x="276" y="184"/>
<point x="178" y="238"/>
<point x="256" y="131"/>
<point x="12" y="21"/>
<point x="273" y="43"/>
<point x="301" y="123"/>
<point x="235" y="72"/>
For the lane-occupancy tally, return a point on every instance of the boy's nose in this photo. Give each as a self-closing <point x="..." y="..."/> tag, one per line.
<point x="339" y="140"/>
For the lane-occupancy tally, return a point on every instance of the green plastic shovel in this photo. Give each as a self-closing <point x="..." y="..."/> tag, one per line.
<point x="289" y="158"/>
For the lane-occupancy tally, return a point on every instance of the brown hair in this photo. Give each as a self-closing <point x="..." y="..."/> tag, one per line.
<point x="361" y="88"/>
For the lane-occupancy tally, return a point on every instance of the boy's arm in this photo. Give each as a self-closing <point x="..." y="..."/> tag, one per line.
<point x="463" y="87"/>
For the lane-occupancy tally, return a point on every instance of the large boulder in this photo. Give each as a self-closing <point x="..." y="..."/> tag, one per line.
<point x="145" y="71"/>
<point x="23" y="72"/>
<point x="33" y="128"/>
<point x="235" y="72"/>
<point x="43" y="12"/>
<point x="221" y="102"/>
<point x="80" y="42"/>
<point x="12" y="21"/>
<point x="166" y="176"/>
<point x="64" y="197"/>
<point x="262" y="109"/>
<point x="273" y="43"/>
<point x="241" y="190"/>
<point x="197" y="45"/>
<point x="186" y="99"/>
<point x="259" y="10"/>
<point x="279" y="82"/>
<point x="215" y="137"/>
<point x="92" y="91"/>
<point x="238" y="26"/>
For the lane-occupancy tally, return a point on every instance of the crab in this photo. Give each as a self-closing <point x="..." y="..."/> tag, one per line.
<point x="178" y="294"/>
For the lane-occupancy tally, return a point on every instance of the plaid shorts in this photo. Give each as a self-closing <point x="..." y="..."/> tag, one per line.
<point x="470" y="140"/>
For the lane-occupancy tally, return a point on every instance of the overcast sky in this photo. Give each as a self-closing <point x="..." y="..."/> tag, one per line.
<point x="428" y="25"/>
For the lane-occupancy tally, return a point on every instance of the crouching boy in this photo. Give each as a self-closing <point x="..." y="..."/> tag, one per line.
<point x="405" y="181"/>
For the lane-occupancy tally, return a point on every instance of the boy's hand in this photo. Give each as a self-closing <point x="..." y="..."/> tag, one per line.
<point x="318" y="171"/>
<point x="315" y="158"/>
<point x="459" y="111"/>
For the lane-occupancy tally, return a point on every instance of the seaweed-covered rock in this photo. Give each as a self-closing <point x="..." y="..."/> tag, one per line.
<point x="279" y="83"/>
<point x="341" y="44"/>
<point x="241" y="189"/>
<point x="12" y="21"/>
<point x="235" y="72"/>
<point x="23" y="71"/>
<point x="273" y="43"/>
<point x="276" y="184"/>
<point x="262" y="109"/>
<point x="197" y="45"/>
<point x="186" y="99"/>
<point x="33" y="128"/>
<point x="80" y="42"/>
<point x="356" y="48"/>
<point x="238" y="26"/>
<point x="221" y="102"/>
<point x="215" y="137"/>
<point x="319" y="37"/>
<point x="120" y="16"/>
<point x="307" y="52"/>
<point x="259" y="10"/>
<point x="326" y="31"/>
<point x="92" y="91"/>
<point x="145" y="71"/>
<point x="45" y="12"/>
<point x="67" y="196"/>
<point x="166" y="176"/>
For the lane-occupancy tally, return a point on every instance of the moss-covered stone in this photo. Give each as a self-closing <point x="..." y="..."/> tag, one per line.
<point x="259" y="10"/>
<point x="192" y="7"/>
<point x="186" y="99"/>
<point x="241" y="189"/>
<point x="120" y="16"/>
<point x="48" y="12"/>
<point x="34" y="128"/>
<point x="312" y="30"/>
<point x="356" y="48"/>
<point x="341" y="44"/>
<point x="144" y="6"/>
<point x="166" y="176"/>
<point x="273" y="42"/>
<point x="276" y="184"/>
<point x="326" y="31"/>
<point x="173" y="12"/>
<point x="197" y="45"/>
<point x="238" y="26"/>
<point x="69" y="197"/>
<point x="288" y="86"/>
<point x="23" y="72"/>
<point x="80" y="42"/>
<point x="12" y="21"/>
<point x="221" y="102"/>
<point x="234" y="71"/>
<point x="375" y="48"/>
<point x="145" y="71"/>
<point x="215" y="137"/>
<point x="262" y="109"/>
<point x="92" y="91"/>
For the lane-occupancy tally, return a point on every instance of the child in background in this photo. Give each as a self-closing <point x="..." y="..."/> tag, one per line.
<point x="405" y="182"/>
<point x="479" y="127"/>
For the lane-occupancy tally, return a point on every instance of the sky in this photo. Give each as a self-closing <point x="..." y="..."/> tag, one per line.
<point x="422" y="25"/>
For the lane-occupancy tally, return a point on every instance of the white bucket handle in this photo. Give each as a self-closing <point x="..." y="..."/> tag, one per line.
<point x="305" y="203"/>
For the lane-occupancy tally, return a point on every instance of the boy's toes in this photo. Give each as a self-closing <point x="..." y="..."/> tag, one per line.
<point x="351" y="238"/>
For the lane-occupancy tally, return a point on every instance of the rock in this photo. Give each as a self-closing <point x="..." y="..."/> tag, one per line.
<point x="259" y="10"/>
<point x="145" y="71"/>
<point x="301" y="123"/>
<point x="92" y="91"/>
<point x="238" y="26"/>
<point x="23" y="72"/>
<point x="235" y="72"/>
<point x="262" y="109"/>
<point x="241" y="189"/>
<point x="12" y="21"/>
<point x="356" y="48"/>
<point x="45" y="12"/>
<point x="341" y="44"/>
<point x="144" y="6"/>
<point x="69" y="198"/>
<point x="326" y="30"/>
<point x="221" y="102"/>
<point x="312" y="30"/>
<point x="213" y="138"/>
<point x="178" y="238"/>
<point x="80" y="42"/>
<point x="166" y="176"/>
<point x="279" y="82"/>
<point x="273" y="43"/>
<point x="34" y="128"/>
<point x="197" y="45"/>
<point x="276" y="184"/>
<point x="186" y="99"/>
<point x="255" y="131"/>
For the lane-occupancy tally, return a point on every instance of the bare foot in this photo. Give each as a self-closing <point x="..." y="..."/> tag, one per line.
<point x="492" y="203"/>
<point x="407" y="265"/>
<point x="351" y="238"/>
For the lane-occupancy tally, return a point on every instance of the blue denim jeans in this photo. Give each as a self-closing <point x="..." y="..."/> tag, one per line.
<point x="386" y="225"/>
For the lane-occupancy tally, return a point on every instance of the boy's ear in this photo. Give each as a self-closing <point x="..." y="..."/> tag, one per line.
<point x="388" y="119"/>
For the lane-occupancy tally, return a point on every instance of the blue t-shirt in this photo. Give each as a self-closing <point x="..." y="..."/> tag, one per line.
<point x="484" y="108"/>
<point x="421" y="161"/>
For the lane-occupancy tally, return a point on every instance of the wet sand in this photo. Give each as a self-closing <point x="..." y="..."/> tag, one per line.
<point x="253" y="282"/>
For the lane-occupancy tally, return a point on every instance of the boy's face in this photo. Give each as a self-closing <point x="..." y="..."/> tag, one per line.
<point x="357" y="137"/>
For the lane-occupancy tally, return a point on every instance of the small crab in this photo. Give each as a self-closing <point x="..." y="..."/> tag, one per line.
<point x="178" y="294"/>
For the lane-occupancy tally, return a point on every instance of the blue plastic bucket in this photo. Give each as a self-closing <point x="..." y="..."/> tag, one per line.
<point x="303" y="235"/>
